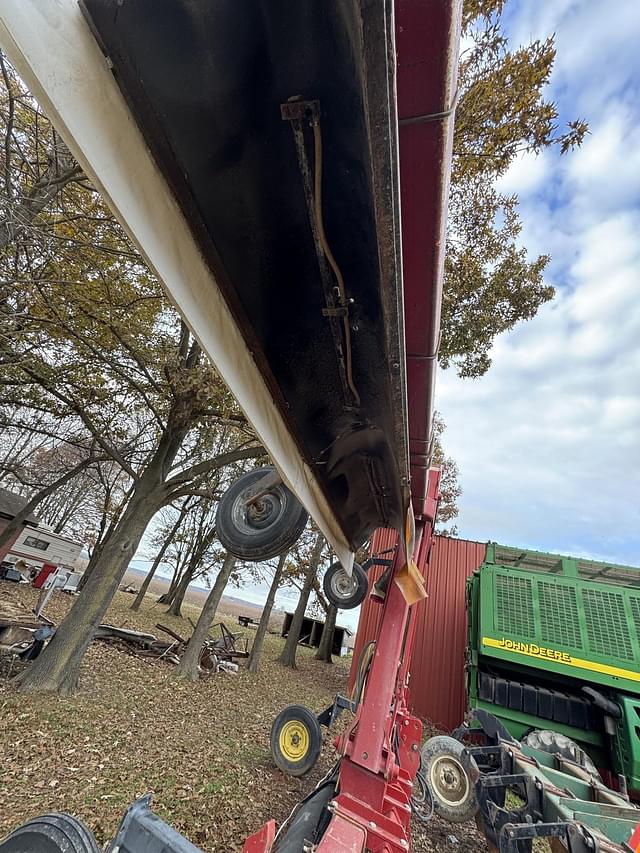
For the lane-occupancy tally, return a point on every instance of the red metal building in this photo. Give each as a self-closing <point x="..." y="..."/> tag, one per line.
<point x="437" y="667"/>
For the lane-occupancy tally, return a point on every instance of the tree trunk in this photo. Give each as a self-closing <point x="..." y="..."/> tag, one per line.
<point x="326" y="640"/>
<point x="168" y="596"/>
<point x="253" y="664"/>
<point x="93" y="559"/>
<point x="288" y="656"/>
<point x="103" y="536"/>
<point x="175" y="608"/>
<point x="137" y="601"/>
<point x="188" y="667"/>
<point x="205" y="539"/>
<point x="57" y="668"/>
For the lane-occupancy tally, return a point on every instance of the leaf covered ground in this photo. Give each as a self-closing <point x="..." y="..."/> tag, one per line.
<point x="202" y="749"/>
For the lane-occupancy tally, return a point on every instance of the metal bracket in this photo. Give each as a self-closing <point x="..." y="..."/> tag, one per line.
<point x="264" y="486"/>
<point x="298" y="112"/>
<point x="576" y="836"/>
<point x="141" y="829"/>
<point x="296" y="109"/>
<point x="330" y="715"/>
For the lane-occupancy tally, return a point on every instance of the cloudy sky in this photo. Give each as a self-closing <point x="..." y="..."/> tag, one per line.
<point x="548" y="442"/>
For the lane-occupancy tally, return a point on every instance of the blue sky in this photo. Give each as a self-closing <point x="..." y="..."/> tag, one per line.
<point x="548" y="442"/>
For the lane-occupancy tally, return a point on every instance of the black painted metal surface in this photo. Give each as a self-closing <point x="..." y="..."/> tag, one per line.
<point x="205" y="82"/>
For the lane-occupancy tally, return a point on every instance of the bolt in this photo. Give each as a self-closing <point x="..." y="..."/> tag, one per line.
<point x="372" y="825"/>
<point x="406" y="723"/>
<point x="511" y="834"/>
<point x="365" y="755"/>
<point x="414" y="747"/>
<point x="404" y="843"/>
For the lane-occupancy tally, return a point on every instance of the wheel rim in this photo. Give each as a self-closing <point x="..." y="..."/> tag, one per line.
<point x="294" y="740"/>
<point x="343" y="586"/>
<point x="449" y="780"/>
<point x="257" y="517"/>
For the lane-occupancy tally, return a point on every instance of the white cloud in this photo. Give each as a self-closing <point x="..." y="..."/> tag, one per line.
<point x="548" y="442"/>
<point x="526" y="174"/>
<point x="606" y="169"/>
<point x="596" y="43"/>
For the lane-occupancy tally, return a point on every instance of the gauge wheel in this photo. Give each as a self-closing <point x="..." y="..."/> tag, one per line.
<point x="296" y="740"/>
<point x="263" y="529"/>
<point x="345" y="592"/>
<point x="51" y="833"/>
<point x="453" y="792"/>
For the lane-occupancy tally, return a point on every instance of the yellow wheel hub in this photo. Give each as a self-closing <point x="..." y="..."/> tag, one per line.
<point x="294" y="740"/>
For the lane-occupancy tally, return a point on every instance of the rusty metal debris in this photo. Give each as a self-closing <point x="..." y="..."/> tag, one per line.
<point x="22" y="633"/>
<point x="217" y="653"/>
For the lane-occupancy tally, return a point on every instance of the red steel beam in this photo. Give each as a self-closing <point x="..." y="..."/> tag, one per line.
<point x="427" y="38"/>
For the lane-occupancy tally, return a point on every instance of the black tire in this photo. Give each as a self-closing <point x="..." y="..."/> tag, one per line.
<point x="453" y="792"/>
<point x="309" y="822"/>
<point x="262" y="530"/>
<point x="556" y="744"/>
<point x="343" y="591"/>
<point x="296" y="740"/>
<point x="51" y="833"/>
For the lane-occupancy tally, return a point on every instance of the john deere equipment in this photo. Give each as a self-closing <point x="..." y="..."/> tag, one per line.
<point x="554" y="654"/>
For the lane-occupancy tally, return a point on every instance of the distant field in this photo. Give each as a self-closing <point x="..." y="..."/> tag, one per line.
<point x="230" y="605"/>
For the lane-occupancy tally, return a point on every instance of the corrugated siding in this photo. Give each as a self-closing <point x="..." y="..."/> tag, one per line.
<point x="437" y="666"/>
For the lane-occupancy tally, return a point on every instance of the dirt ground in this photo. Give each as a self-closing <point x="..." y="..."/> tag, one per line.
<point x="202" y="750"/>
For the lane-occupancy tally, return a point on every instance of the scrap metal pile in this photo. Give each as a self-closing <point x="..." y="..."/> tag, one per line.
<point x="217" y="654"/>
<point x="22" y="633"/>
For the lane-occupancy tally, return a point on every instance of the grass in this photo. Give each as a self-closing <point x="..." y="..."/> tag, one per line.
<point x="202" y="749"/>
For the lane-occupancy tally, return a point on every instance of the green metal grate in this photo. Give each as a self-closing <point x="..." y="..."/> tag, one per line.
<point x="559" y="620"/>
<point x="514" y="605"/>
<point x="607" y="627"/>
<point x="635" y="612"/>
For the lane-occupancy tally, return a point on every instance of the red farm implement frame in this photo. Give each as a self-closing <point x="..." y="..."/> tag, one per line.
<point x="380" y="752"/>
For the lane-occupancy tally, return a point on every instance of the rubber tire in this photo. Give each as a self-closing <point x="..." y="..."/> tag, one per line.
<point x="437" y="747"/>
<point x="310" y="721"/>
<point x="361" y="585"/>
<point x="307" y="821"/>
<point x="51" y="833"/>
<point x="269" y="541"/>
<point x="554" y="743"/>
